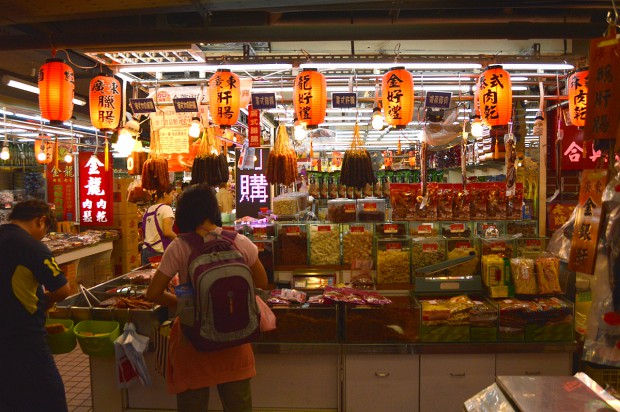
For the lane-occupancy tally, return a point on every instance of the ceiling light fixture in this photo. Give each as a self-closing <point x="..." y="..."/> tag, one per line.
<point x="195" y="128"/>
<point x="387" y="66"/>
<point x="537" y="66"/>
<point x="200" y="67"/>
<point x="29" y="87"/>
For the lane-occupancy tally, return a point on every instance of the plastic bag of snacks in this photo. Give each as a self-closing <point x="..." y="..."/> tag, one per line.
<point x="524" y="276"/>
<point x="548" y="275"/>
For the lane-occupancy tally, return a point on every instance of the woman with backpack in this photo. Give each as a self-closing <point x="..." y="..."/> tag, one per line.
<point x="190" y="372"/>
<point x="157" y="224"/>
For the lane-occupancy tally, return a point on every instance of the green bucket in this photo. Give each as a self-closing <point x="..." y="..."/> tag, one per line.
<point x="63" y="342"/>
<point x="96" y="337"/>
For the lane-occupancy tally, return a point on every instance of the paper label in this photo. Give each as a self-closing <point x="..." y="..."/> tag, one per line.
<point x="349" y="208"/>
<point x="430" y="247"/>
<point x="457" y="228"/>
<point x="370" y="207"/>
<point x="390" y="228"/>
<point x="293" y="231"/>
<point x="393" y="246"/>
<point x="425" y="229"/>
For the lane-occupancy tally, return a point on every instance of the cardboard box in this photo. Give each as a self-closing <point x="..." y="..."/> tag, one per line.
<point x="125" y="208"/>
<point x="124" y="261"/>
<point x="120" y="188"/>
<point x="70" y="271"/>
<point x="128" y="231"/>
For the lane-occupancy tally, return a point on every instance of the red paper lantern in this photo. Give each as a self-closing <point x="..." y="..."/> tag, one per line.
<point x="397" y="96"/>
<point x="44" y="149"/>
<point x="310" y="98"/>
<point x="105" y="102"/>
<point x="224" y="96"/>
<point x="56" y="90"/>
<point x="577" y="97"/>
<point x="495" y="96"/>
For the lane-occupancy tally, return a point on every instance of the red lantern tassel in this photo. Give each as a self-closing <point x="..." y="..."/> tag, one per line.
<point x="106" y="162"/>
<point x="56" y="153"/>
<point x="584" y="153"/>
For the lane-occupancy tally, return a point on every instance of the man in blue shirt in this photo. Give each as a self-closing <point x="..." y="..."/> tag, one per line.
<point x="29" y="378"/>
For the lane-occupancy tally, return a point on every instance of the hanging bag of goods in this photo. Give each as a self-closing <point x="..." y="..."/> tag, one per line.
<point x="282" y="160"/>
<point x="210" y="166"/>
<point x="356" y="164"/>
<point x="155" y="169"/>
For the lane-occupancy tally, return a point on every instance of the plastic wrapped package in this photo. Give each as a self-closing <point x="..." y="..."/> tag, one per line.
<point x="285" y="205"/>
<point x="523" y="276"/>
<point x="324" y="244"/>
<point x="393" y="261"/>
<point x="490" y="399"/>
<point x="544" y="319"/>
<point x="548" y="275"/>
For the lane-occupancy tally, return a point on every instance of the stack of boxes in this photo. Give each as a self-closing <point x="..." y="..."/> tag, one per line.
<point x="125" y="255"/>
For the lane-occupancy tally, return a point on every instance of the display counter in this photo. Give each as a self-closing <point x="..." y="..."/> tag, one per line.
<point x="86" y="265"/>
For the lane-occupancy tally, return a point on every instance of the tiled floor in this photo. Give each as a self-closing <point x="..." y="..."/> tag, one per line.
<point x="75" y="370"/>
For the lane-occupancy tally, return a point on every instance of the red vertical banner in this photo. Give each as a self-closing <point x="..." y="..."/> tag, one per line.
<point x="95" y="190"/>
<point x="61" y="187"/>
<point x="253" y="126"/>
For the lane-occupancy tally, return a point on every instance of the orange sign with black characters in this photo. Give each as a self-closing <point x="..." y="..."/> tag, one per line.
<point x="603" y="105"/>
<point x="587" y="221"/>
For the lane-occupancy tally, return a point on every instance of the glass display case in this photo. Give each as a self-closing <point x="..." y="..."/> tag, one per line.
<point x="393" y="261"/>
<point x="324" y="241"/>
<point x="292" y="244"/>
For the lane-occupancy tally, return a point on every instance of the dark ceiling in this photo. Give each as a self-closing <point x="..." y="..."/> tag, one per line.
<point x="30" y="29"/>
<point x="44" y="24"/>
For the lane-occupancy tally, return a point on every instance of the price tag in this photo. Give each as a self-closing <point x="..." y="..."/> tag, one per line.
<point x="324" y="229"/>
<point x="430" y="247"/>
<point x="260" y="246"/>
<point x="425" y="229"/>
<point x="349" y="208"/>
<point x="357" y="230"/>
<point x="393" y="246"/>
<point x="293" y="231"/>
<point x="259" y="232"/>
<point x="370" y="207"/>
<point x="390" y="228"/>
<point x="463" y="245"/>
<point x="457" y="228"/>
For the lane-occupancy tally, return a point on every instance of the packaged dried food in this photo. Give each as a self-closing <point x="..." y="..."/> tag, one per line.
<point x="523" y="276"/>
<point x="332" y="185"/>
<point x="548" y="275"/>
<point x="378" y="186"/>
<point x="525" y="228"/>
<point x="357" y="242"/>
<point x="481" y="228"/>
<point x="427" y="251"/>
<point x="371" y="210"/>
<point x="445" y="203"/>
<point x="479" y="200"/>
<point x="461" y="206"/>
<point x="493" y="271"/>
<point x="496" y="201"/>
<point x="462" y="248"/>
<point x="426" y="208"/>
<point x="292" y="245"/>
<point x="403" y="201"/>
<point x="393" y="264"/>
<point x="341" y="210"/>
<point x="324" y="244"/>
<point x="445" y="319"/>
<point x="501" y="246"/>
<point x="514" y="207"/>
<point x="423" y="229"/>
<point x="324" y="185"/>
<point x="313" y="184"/>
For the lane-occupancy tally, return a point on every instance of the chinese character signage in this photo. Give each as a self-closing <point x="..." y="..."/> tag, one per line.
<point x="344" y="100"/>
<point x="587" y="221"/>
<point x="253" y="126"/>
<point x="95" y="190"/>
<point x="142" y="106"/>
<point x="252" y="190"/>
<point x="263" y="101"/>
<point x="61" y="186"/>
<point x="573" y="147"/>
<point x="438" y="100"/>
<point x="558" y="214"/>
<point x="603" y="91"/>
<point x="185" y="104"/>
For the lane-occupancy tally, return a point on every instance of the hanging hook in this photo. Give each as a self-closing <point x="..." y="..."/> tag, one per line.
<point x="396" y="52"/>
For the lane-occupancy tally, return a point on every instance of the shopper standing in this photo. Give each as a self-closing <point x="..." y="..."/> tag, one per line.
<point x="190" y="373"/>
<point x="157" y="224"/>
<point x="30" y="378"/>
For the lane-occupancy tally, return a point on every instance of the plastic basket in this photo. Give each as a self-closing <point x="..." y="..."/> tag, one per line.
<point x="63" y="342"/>
<point x="101" y="342"/>
<point x="604" y="376"/>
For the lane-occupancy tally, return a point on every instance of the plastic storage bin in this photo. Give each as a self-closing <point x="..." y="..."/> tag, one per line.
<point x="96" y="337"/>
<point x="325" y="244"/>
<point x="424" y="229"/>
<point x="341" y="210"/>
<point x="393" y="261"/>
<point x="301" y="324"/>
<point x="292" y="244"/>
<point x="63" y="342"/>
<point x="371" y="210"/>
<point x="357" y="242"/>
<point x="266" y="256"/>
<point x="427" y="251"/>
<point x="391" y="230"/>
<point x="458" y="248"/>
<point x="457" y="229"/>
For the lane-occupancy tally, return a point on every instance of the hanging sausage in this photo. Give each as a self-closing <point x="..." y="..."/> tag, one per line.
<point x="155" y="169"/>
<point x="356" y="164"/>
<point x="282" y="160"/>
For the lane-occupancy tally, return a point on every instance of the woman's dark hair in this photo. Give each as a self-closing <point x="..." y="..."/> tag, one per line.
<point x="159" y="193"/>
<point x="194" y="205"/>
<point x="32" y="209"/>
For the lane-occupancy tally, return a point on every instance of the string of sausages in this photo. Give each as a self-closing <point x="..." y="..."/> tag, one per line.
<point x="282" y="160"/>
<point x="155" y="169"/>
<point x="356" y="167"/>
<point x="210" y="164"/>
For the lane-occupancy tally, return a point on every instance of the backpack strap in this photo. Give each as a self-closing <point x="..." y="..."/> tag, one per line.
<point x="193" y="239"/>
<point x="157" y="227"/>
